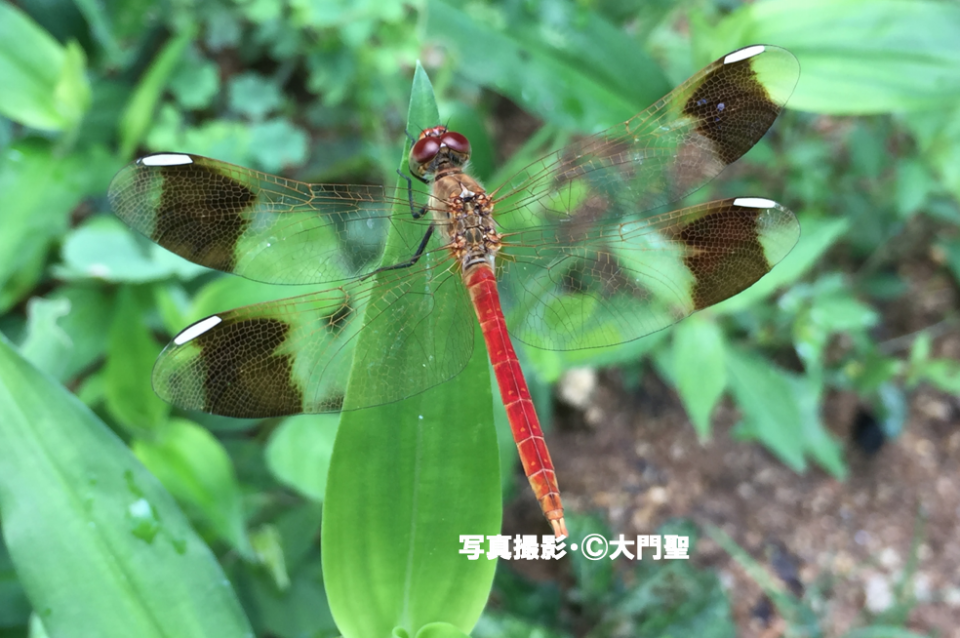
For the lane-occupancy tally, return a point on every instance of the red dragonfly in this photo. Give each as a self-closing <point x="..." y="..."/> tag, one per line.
<point x="573" y="242"/>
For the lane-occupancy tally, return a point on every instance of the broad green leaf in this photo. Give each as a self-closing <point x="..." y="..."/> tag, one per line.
<point x="103" y="248"/>
<point x="194" y="467"/>
<point x="575" y="70"/>
<point x="770" y="411"/>
<point x="277" y="143"/>
<point x="196" y="82"/>
<point x="856" y="56"/>
<point x="299" y="452"/>
<point x="254" y="96"/>
<point x="407" y="479"/>
<point x="141" y="109"/>
<point x="699" y="369"/>
<point x="780" y="411"/>
<point x="101" y="549"/>
<point x="44" y="83"/>
<point x="133" y="351"/>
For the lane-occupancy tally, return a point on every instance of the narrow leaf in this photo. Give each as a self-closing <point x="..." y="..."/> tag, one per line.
<point x="139" y="114"/>
<point x="133" y="351"/>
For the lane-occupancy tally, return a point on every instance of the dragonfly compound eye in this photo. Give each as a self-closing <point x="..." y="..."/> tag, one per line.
<point x="456" y="142"/>
<point x="425" y="150"/>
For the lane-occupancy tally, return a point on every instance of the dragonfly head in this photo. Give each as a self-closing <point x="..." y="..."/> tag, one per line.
<point x="438" y="148"/>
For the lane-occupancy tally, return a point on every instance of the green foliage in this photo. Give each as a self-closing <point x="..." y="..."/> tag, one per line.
<point x="45" y="84"/>
<point x="654" y="598"/>
<point x="319" y="91"/>
<point x="394" y="510"/>
<point x="84" y="521"/>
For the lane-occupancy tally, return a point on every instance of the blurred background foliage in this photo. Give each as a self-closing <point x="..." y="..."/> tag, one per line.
<point x="867" y="154"/>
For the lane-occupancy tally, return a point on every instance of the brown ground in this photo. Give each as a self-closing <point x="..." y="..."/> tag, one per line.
<point x="632" y="456"/>
<point x="859" y="532"/>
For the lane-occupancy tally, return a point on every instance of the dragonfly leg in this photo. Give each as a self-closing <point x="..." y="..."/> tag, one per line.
<point x="406" y="264"/>
<point x="417" y="214"/>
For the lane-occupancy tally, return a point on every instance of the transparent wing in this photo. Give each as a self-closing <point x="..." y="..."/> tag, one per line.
<point x="660" y="155"/>
<point x="589" y="285"/>
<point x="256" y="225"/>
<point x="295" y="355"/>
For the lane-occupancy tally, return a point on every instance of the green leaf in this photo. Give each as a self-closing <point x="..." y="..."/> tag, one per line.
<point x="299" y="452"/>
<point x="781" y="411"/>
<point x="86" y="325"/>
<point x="14" y="606"/>
<point x="699" y="369"/>
<point x="943" y="374"/>
<point x="194" y="467"/>
<point x="47" y="346"/>
<point x="103" y="248"/>
<point x="253" y="95"/>
<point x="141" y="109"/>
<point x="277" y="143"/>
<point x="101" y="549"/>
<point x="938" y="138"/>
<point x="268" y="550"/>
<point x="196" y="81"/>
<point x="406" y="480"/>
<point x="133" y="351"/>
<point x="857" y="56"/>
<point x="42" y="187"/>
<point x="440" y="630"/>
<point x="575" y="70"/>
<point x="300" y="610"/>
<point x="44" y="83"/>
<point x="914" y="184"/>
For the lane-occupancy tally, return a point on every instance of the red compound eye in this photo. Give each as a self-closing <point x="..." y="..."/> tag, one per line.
<point x="425" y="150"/>
<point x="456" y="142"/>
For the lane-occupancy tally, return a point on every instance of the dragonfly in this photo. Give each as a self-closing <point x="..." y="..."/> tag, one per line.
<point x="576" y="250"/>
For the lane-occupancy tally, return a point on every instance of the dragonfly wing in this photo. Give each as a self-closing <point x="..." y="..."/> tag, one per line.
<point x="591" y="285"/>
<point x="662" y="154"/>
<point x="257" y="225"/>
<point x="295" y="355"/>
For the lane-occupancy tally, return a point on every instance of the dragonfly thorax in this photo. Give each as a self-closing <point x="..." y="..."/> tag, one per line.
<point x="464" y="213"/>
